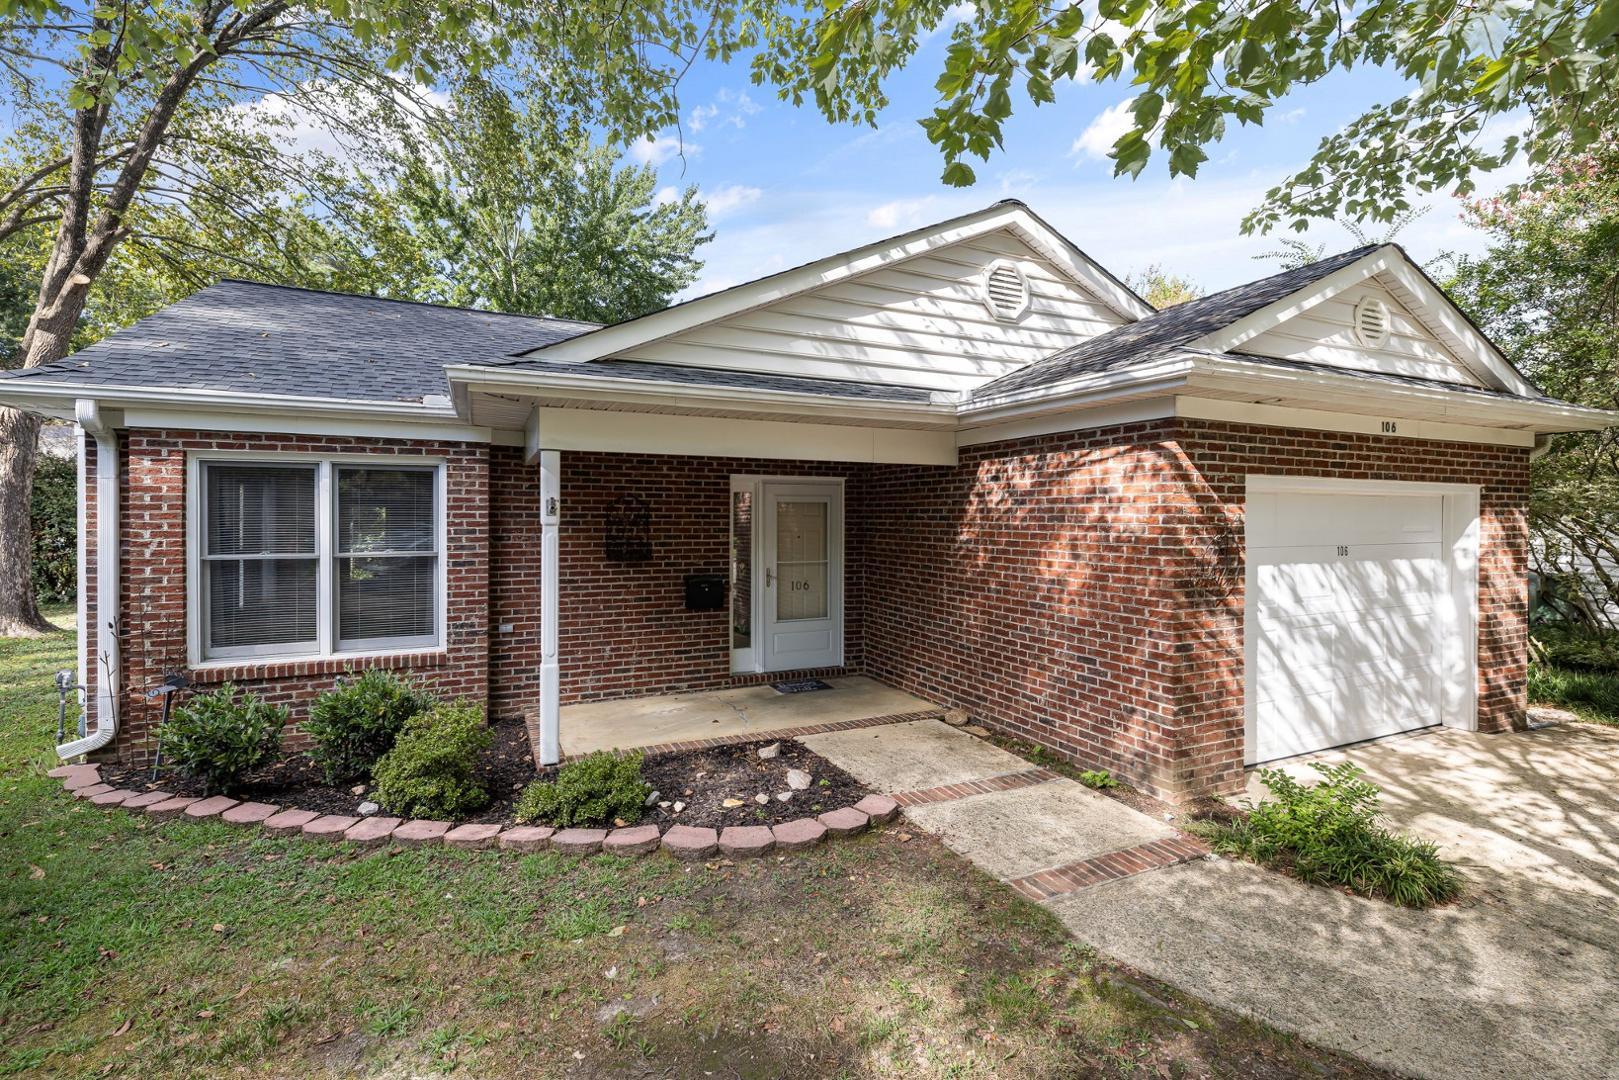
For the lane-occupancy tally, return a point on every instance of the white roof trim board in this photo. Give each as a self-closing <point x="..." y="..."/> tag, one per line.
<point x="1413" y="288"/>
<point x="621" y="337"/>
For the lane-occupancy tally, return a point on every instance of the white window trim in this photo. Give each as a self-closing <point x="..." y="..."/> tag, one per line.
<point x="327" y="646"/>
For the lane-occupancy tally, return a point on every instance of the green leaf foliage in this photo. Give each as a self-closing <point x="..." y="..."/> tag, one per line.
<point x="357" y="722"/>
<point x="431" y="772"/>
<point x="595" y="790"/>
<point x="54" y="514"/>
<point x="219" y="736"/>
<point x="1329" y="833"/>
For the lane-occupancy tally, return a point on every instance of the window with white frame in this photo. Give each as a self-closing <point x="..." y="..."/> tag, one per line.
<point x="311" y="557"/>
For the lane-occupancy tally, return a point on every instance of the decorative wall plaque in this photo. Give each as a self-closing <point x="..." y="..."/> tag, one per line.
<point x="629" y="530"/>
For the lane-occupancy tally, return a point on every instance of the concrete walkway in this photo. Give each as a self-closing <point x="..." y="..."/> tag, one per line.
<point x="740" y="712"/>
<point x="1518" y="979"/>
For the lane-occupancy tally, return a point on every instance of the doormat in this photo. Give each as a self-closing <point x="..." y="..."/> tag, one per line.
<point x="800" y="686"/>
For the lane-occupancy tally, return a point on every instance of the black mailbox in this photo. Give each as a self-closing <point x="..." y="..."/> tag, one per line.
<point x="705" y="592"/>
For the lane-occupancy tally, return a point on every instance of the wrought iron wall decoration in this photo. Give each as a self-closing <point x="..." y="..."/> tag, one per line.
<point x="629" y="530"/>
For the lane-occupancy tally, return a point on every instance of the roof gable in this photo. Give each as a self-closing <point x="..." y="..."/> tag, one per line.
<point x="909" y="310"/>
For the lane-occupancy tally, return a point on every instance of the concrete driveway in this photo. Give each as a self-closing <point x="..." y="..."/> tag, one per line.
<point x="1521" y="978"/>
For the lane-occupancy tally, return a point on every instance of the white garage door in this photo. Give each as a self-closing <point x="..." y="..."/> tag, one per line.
<point x="1346" y="594"/>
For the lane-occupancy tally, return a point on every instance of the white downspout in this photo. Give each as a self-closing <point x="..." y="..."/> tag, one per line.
<point x="1543" y="443"/>
<point x="91" y="422"/>
<point x="550" y="681"/>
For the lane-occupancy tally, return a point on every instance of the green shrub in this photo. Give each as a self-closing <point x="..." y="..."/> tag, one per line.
<point x="1329" y="834"/>
<point x="1592" y="694"/>
<point x="356" y="723"/>
<point x="221" y="735"/>
<point x="54" y="522"/>
<point x="1582" y="649"/>
<point x="595" y="790"/>
<point x="429" y="772"/>
<point x="1100" y="779"/>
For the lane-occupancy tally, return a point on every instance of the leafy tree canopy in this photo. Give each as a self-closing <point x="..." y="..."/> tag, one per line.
<point x="1196" y="66"/>
<point x="1547" y="291"/>
<point x="1163" y="289"/>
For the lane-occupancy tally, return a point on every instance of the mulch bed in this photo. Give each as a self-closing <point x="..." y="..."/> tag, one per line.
<point x="702" y="779"/>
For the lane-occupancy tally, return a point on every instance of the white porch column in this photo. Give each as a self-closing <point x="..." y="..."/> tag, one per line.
<point x="550" y="682"/>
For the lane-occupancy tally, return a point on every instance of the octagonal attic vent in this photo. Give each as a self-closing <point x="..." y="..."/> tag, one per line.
<point x="1371" y="322"/>
<point x="1006" y="290"/>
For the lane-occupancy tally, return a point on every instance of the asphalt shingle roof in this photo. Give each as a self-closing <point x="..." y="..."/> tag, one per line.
<point x="273" y="339"/>
<point x="698" y="376"/>
<point x="1166" y="331"/>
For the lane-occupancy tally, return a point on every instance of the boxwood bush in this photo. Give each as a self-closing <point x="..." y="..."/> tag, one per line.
<point x="595" y="790"/>
<point x="356" y="723"/>
<point x="221" y="735"/>
<point x="1329" y="833"/>
<point x="431" y="772"/>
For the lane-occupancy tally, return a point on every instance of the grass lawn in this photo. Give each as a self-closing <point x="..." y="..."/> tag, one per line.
<point x="192" y="949"/>
<point x="1590" y="695"/>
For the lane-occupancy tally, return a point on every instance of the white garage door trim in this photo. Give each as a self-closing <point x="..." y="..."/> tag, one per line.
<point x="1458" y="615"/>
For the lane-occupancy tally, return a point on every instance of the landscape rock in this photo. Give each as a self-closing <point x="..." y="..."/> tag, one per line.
<point x="652" y="797"/>
<point x="768" y="752"/>
<point x="798" y="779"/>
<point x="762" y="799"/>
<point x="732" y="804"/>
<point x="679" y="806"/>
<point x="957" y="717"/>
<point x="783" y="796"/>
<point x="367" y="808"/>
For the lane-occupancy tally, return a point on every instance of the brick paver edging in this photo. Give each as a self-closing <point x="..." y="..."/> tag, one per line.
<point x="659" y="749"/>
<point x="952" y="792"/>
<point x="1155" y="855"/>
<point x="681" y="841"/>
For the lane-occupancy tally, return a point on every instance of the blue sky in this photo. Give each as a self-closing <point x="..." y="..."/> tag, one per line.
<point x="786" y="187"/>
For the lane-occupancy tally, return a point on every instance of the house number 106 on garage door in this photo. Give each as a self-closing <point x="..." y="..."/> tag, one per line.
<point x="1343" y="550"/>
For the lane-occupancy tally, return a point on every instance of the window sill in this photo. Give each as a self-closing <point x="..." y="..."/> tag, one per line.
<point x="291" y="667"/>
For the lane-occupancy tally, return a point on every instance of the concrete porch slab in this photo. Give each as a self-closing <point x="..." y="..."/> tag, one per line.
<point x="912" y="756"/>
<point x="745" y="712"/>
<point x="1014" y="833"/>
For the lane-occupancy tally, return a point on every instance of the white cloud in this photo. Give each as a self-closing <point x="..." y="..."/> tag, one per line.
<point x="903" y="213"/>
<point x="666" y="195"/>
<point x="1097" y="140"/>
<point x="730" y="108"/>
<point x="655" y="150"/>
<point x="701" y="115"/>
<point x="731" y="197"/>
<point x="1291" y="116"/>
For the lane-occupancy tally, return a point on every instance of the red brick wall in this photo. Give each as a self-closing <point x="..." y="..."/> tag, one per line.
<point x="152" y="632"/>
<point x="1085" y="590"/>
<point x="625" y="631"/>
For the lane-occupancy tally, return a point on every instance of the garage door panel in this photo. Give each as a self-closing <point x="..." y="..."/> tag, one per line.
<point x="1344" y="609"/>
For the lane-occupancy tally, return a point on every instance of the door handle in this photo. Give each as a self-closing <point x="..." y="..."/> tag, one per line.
<point x="770" y="577"/>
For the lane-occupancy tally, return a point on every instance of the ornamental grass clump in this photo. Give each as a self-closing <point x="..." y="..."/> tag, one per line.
<point x="431" y="772"/>
<point x="1329" y="833"/>
<point x="220" y="736"/>
<point x="357" y="722"/>
<point x="600" y="789"/>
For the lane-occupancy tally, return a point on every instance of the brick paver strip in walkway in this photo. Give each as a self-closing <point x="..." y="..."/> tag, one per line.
<point x="1044" y="884"/>
<point x="778" y="733"/>
<point x="951" y="792"/>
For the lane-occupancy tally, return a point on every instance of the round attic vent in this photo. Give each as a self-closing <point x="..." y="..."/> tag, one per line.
<point x="1371" y="322"/>
<point x="1006" y="290"/>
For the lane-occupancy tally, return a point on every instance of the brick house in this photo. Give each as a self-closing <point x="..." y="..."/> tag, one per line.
<point x="966" y="461"/>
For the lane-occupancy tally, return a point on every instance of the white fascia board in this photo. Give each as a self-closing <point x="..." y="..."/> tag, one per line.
<point x="1475" y="350"/>
<point x="1355" y="394"/>
<point x="620" y="337"/>
<point x="641" y="392"/>
<point x="18" y="393"/>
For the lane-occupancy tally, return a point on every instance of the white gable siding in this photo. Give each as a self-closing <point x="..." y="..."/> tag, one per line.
<point x="920" y="322"/>
<point x="1325" y="335"/>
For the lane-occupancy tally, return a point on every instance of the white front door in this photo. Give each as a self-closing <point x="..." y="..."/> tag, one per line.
<point x="1346" y="618"/>
<point x="800" y="575"/>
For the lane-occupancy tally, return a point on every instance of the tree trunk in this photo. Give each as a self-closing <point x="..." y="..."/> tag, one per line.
<point x="19" y="445"/>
